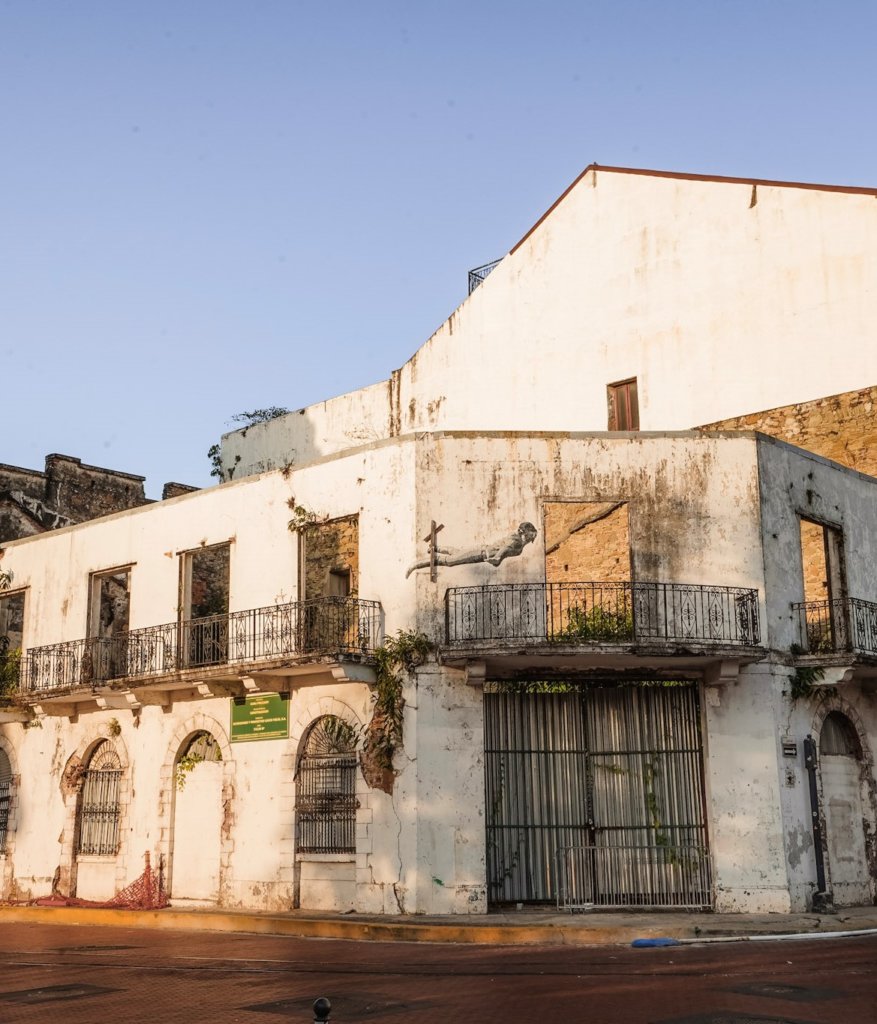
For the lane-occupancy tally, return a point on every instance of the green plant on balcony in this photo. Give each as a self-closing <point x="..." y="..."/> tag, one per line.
<point x="10" y="670"/>
<point x="596" y="625"/>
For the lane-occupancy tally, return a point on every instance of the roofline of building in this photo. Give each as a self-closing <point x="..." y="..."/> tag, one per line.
<point x="721" y="179"/>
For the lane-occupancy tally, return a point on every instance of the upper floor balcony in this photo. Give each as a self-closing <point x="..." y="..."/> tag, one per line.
<point x="273" y="642"/>
<point x="837" y="630"/>
<point x="593" y="625"/>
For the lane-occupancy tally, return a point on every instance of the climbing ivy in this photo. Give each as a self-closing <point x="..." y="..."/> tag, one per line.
<point x="383" y="734"/>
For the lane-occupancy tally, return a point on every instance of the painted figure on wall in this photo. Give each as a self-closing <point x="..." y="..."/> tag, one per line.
<point x="494" y="553"/>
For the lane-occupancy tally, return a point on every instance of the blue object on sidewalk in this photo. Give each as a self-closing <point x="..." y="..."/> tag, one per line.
<point x="642" y="943"/>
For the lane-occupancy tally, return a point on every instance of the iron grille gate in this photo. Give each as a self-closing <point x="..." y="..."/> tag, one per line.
<point x="594" y="795"/>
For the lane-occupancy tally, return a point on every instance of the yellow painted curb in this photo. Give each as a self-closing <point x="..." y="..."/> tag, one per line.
<point x="336" y="928"/>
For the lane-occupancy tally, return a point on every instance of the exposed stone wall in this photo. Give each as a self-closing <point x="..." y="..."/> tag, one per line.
<point x="29" y="481"/>
<point x="839" y="427"/>
<point x="331" y="547"/>
<point x="69" y="491"/>
<point x="586" y="541"/>
<point x="83" y="492"/>
<point x="813" y="557"/>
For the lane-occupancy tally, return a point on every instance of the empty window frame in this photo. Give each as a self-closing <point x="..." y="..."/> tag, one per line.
<point x="204" y="585"/>
<point x="623" y="405"/>
<point x="99" y="810"/>
<point x="325" y="794"/>
<point x="11" y="639"/>
<point x="824" y="585"/>
<point x="108" y="622"/>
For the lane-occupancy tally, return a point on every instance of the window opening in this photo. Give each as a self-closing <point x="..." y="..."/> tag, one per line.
<point x="623" y="405"/>
<point x="109" y="606"/>
<point x="825" y="592"/>
<point x="204" y="606"/>
<point x="326" y="788"/>
<point x="99" y="808"/>
<point x="339" y="583"/>
<point x="331" y="558"/>
<point x="587" y="570"/>
<point x="11" y="638"/>
<point x="5" y="796"/>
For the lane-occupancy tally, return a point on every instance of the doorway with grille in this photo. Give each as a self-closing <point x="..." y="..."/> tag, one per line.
<point x="594" y="795"/>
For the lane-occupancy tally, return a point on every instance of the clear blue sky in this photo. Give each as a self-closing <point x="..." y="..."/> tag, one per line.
<point x="208" y="207"/>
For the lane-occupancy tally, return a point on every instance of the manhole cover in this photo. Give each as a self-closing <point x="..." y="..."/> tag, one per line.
<point x="54" y="993"/>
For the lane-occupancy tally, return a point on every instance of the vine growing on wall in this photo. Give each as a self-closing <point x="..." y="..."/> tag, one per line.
<point x="403" y="652"/>
<point x="10" y="658"/>
<point x="805" y="677"/>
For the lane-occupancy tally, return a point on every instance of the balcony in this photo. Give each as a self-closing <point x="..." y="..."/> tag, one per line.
<point x="594" y="625"/>
<point x="842" y="627"/>
<point x="478" y="274"/>
<point x="276" y="640"/>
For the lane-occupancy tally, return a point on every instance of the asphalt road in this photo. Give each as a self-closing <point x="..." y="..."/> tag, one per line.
<point x="83" y="975"/>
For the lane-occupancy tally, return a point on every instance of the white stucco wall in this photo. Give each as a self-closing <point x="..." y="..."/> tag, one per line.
<point x="710" y="509"/>
<point x="717" y="306"/>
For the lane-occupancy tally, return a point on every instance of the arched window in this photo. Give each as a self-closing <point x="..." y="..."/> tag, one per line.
<point x="838" y="736"/>
<point x="99" y="810"/>
<point x="325" y="795"/>
<point x="5" y="796"/>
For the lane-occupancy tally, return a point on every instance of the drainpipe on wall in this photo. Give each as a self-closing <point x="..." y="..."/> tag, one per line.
<point x="822" y="901"/>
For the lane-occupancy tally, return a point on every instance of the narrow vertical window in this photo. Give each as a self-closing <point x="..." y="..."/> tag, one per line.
<point x="326" y="788"/>
<point x="108" y="621"/>
<point x="623" y="405"/>
<point x="5" y="797"/>
<point x="825" y="613"/>
<point x="99" y="808"/>
<point x="204" y="606"/>
<point x="11" y="636"/>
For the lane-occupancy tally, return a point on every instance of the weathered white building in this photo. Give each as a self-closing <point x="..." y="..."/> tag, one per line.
<point x="653" y="653"/>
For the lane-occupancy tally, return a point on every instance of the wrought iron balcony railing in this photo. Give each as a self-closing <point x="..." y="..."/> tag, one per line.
<point x="477" y="275"/>
<point x="602" y="613"/>
<point x="323" y="626"/>
<point x="833" y="627"/>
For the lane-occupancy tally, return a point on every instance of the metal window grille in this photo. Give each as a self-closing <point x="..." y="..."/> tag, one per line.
<point x="5" y="796"/>
<point x="326" y="789"/>
<point x="99" y="810"/>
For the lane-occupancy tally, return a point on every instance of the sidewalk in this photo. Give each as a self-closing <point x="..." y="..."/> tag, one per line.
<point x="529" y="927"/>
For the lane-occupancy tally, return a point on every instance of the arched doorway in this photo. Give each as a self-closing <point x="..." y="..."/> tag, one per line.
<point x="197" y="827"/>
<point x="840" y="755"/>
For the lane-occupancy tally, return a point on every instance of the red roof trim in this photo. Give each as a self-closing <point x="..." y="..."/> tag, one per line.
<point x="722" y="179"/>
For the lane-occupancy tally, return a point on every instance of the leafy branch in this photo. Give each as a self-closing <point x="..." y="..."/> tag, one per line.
<point x="403" y="652"/>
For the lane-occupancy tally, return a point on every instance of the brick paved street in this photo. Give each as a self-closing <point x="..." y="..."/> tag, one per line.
<point x="76" y="975"/>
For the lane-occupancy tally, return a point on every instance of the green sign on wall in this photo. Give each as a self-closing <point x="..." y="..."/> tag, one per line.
<point x="264" y="716"/>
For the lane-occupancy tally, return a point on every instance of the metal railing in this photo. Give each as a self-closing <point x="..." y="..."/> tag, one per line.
<point x="321" y="626"/>
<point x="621" y="877"/>
<point x="843" y="625"/>
<point x="602" y="613"/>
<point x="477" y="275"/>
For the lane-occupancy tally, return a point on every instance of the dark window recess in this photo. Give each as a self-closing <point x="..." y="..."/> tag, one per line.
<point x="339" y="583"/>
<point x="623" y="405"/>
